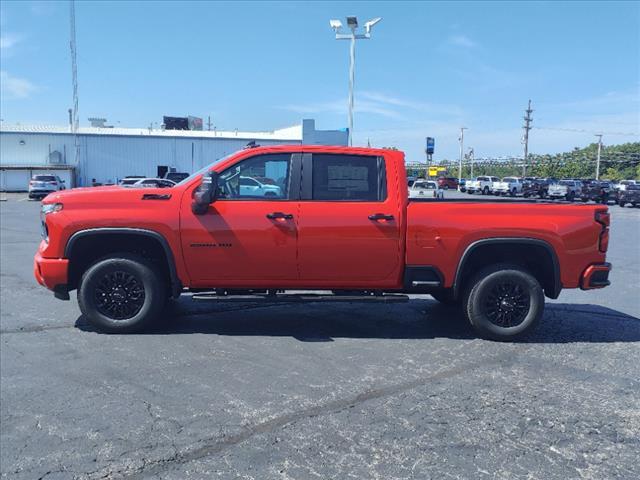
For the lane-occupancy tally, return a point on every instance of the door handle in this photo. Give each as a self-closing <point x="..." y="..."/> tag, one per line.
<point x="277" y="215"/>
<point x="380" y="216"/>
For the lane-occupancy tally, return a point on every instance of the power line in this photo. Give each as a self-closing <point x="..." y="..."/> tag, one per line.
<point x="578" y="130"/>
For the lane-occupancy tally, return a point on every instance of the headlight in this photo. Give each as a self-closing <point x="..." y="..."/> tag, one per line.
<point x="46" y="209"/>
<point x="51" y="208"/>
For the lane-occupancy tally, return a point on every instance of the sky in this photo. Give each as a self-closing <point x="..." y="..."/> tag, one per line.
<point x="429" y="69"/>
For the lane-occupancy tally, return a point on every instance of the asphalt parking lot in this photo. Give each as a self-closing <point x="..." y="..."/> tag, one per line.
<point x="317" y="391"/>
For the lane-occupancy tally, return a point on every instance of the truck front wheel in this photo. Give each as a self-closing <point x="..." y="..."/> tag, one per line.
<point x="121" y="294"/>
<point x="503" y="302"/>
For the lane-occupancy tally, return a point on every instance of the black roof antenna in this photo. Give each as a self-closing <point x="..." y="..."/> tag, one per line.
<point x="252" y="144"/>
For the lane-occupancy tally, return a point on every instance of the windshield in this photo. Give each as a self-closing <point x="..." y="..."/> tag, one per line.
<point x="44" y="178"/>
<point x="566" y="182"/>
<point x="203" y="169"/>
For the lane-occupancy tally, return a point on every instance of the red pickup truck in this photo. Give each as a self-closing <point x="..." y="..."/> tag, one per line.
<point x="267" y="220"/>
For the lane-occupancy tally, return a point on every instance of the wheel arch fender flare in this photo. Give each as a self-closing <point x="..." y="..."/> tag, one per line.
<point x="176" y="285"/>
<point x="557" y="283"/>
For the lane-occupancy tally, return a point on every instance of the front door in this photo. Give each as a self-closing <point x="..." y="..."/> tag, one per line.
<point x="348" y="226"/>
<point x="248" y="237"/>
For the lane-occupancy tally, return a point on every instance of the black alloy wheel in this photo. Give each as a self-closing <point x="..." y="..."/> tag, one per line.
<point x="119" y="295"/>
<point x="122" y="293"/>
<point x="506" y="304"/>
<point x="503" y="302"/>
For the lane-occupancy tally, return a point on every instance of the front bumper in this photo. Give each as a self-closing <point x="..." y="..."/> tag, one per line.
<point x="51" y="272"/>
<point x="595" y="276"/>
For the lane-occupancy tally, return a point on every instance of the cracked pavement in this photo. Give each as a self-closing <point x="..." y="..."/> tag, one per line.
<point x="401" y="391"/>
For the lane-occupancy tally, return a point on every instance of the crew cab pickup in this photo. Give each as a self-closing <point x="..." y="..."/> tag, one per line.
<point x="508" y="186"/>
<point x="339" y="221"/>
<point x="483" y="185"/>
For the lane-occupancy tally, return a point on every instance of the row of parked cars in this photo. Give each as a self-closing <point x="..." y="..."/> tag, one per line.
<point x="601" y="191"/>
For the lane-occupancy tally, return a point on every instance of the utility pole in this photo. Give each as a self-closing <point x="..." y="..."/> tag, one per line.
<point x="462" y="129"/>
<point x="598" y="159"/>
<point x="471" y="156"/>
<point x="209" y="123"/>
<point x="74" y="80"/>
<point x="527" y="126"/>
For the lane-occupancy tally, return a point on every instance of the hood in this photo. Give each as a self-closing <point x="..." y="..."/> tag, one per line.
<point x="112" y="194"/>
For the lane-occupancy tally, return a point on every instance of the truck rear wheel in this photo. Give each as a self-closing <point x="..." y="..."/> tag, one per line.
<point x="503" y="302"/>
<point x="121" y="294"/>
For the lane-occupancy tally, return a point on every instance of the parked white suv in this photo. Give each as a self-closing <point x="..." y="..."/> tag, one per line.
<point x="425" y="189"/>
<point x="251" y="187"/>
<point x="42" y="185"/>
<point x="508" y="186"/>
<point x="483" y="185"/>
<point x="567" y="189"/>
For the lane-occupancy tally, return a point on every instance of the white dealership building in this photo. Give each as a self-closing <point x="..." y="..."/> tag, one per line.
<point x="108" y="154"/>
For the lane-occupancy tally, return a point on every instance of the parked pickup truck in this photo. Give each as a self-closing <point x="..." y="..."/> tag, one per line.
<point x="483" y="185"/>
<point x="508" y="186"/>
<point x="567" y="189"/>
<point x="342" y="222"/>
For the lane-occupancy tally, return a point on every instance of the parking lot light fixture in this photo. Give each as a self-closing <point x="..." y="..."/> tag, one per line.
<point x="352" y="24"/>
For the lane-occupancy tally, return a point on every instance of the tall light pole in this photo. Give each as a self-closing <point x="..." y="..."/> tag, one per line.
<point x="598" y="159"/>
<point x="471" y="155"/>
<point x="352" y="23"/>
<point x="462" y="129"/>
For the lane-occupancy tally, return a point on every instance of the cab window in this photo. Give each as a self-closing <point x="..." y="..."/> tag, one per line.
<point x="264" y="177"/>
<point x="348" y="178"/>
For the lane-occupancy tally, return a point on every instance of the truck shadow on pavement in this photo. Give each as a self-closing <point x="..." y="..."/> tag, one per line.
<point x="418" y="319"/>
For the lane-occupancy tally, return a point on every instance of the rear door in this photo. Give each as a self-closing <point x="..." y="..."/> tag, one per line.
<point x="348" y="225"/>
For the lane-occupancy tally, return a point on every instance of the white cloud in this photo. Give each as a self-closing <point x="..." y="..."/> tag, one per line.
<point x="42" y="8"/>
<point x="461" y="41"/>
<point x="9" y="40"/>
<point x="15" y="87"/>
<point x="340" y="107"/>
<point x="377" y="103"/>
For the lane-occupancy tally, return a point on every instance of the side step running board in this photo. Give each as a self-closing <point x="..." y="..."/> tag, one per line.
<point x="299" y="298"/>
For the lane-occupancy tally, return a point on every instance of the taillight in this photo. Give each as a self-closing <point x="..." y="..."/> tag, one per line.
<point x="604" y="240"/>
<point x="603" y="218"/>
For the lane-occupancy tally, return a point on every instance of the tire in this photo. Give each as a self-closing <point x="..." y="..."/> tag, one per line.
<point x="485" y="191"/>
<point x="621" y="203"/>
<point x="446" y="187"/>
<point x="492" y="283"/>
<point x="106" y="277"/>
<point x="469" y="192"/>
<point x="446" y="297"/>
<point x="571" y="197"/>
<point x="513" y="192"/>
<point x="584" y="199"/>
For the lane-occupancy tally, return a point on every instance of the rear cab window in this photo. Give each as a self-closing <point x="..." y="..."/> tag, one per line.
<point x="350" y="178"/>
